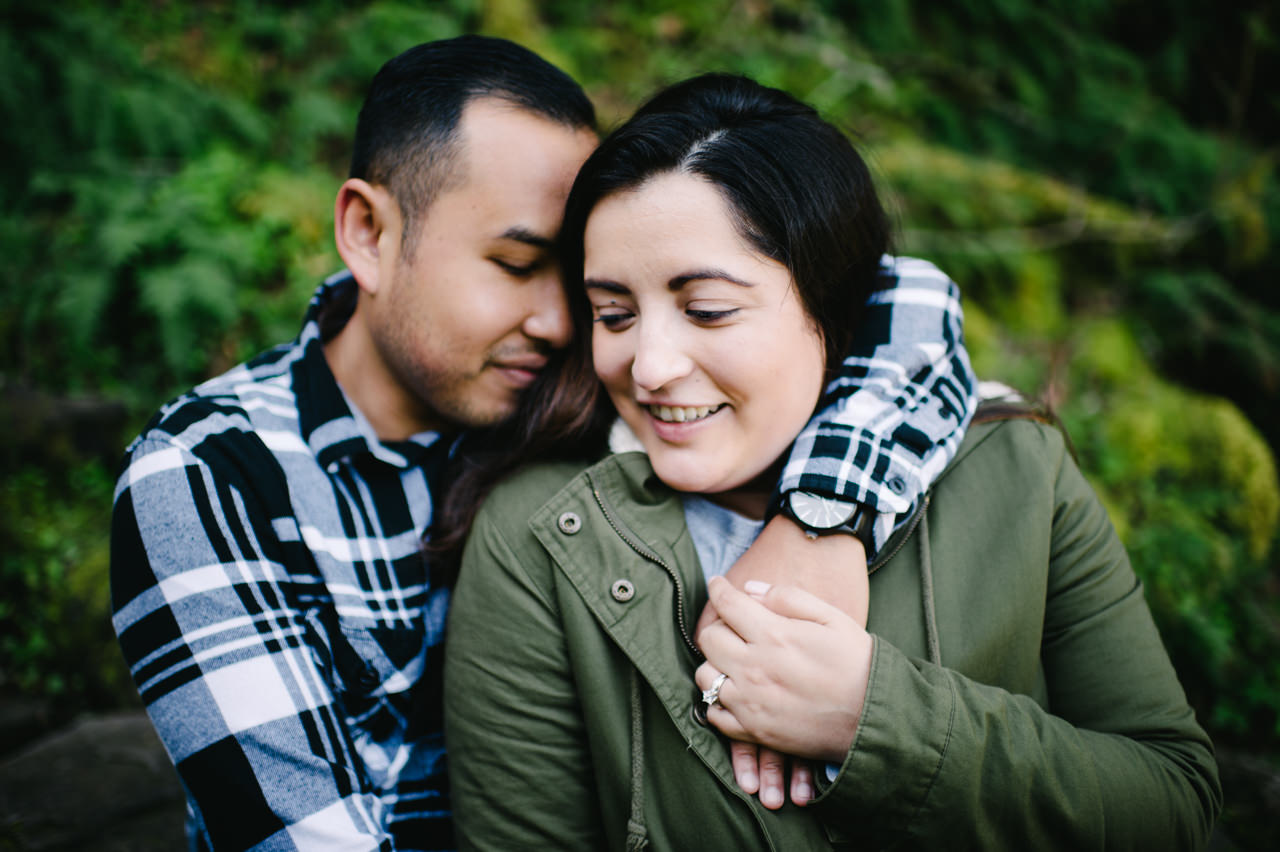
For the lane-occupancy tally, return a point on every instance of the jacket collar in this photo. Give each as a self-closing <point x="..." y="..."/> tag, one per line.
<point x="332" y="426"/>
<point x="633" y="531"/>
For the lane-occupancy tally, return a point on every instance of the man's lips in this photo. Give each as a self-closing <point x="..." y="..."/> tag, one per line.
<point x="521" y="370"/>
<point x="532" y="363"/>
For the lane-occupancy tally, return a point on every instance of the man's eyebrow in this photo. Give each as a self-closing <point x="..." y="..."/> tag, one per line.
<point x="524" y="235"/>
<point x="606" y="285"/>
<point x="706" y="275"/>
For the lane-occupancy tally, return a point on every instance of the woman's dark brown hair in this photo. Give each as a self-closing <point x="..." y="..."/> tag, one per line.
<point x="800" y="194"/>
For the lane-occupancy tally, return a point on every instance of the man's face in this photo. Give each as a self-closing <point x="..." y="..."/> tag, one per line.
<point x="473" y="308"/>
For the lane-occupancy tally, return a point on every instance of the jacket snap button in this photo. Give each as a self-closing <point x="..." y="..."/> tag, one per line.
<point x="699" y="710"/>
<point x="569" y="523"/>
<point x="622" y="590"/>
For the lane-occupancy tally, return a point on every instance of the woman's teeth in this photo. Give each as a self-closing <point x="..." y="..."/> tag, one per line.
<point x="669" y="414"/>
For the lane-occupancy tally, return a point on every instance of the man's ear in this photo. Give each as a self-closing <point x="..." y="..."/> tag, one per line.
<point x="366" y="225"/>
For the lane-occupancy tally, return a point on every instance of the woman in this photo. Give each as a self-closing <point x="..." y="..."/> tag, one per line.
<point x="1013" y="692"/>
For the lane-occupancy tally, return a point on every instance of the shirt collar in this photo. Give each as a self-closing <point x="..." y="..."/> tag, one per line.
<point x="333" y="427"/>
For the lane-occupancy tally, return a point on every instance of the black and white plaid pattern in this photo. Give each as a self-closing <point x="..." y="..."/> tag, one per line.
<point x="274" y="605"/>
<point x="895" y="416"/>
<point x="278" y="616"/>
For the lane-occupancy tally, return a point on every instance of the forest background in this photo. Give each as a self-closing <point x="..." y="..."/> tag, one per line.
<point x="1099" y="177"/>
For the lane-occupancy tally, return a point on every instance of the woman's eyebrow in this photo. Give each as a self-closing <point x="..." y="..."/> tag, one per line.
<point x="705" y="275"/>
<point x="605" y="284"/>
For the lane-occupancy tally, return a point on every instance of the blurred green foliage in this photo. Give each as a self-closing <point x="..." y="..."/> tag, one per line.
<point x="58" y="640"/>
<point x="1100" y="177"/>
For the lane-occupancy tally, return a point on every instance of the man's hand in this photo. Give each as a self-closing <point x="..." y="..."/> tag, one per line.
<point x="830" y="567"/>
<point x="762" y="770"/>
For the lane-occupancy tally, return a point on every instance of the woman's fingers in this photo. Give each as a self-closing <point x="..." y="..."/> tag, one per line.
<point x="705" y="676"/>
<point x="758" y="770"/>
<point x="752" y="615"/>
<point x="791" y="601"/>
<point x="708" y="617"/>
<point x="737" y="610"/>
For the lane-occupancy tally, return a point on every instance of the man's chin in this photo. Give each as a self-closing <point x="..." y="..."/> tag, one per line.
<point x="497" y="413"/>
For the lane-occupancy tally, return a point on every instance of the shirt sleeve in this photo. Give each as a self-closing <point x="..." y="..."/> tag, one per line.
<point x="224" y="662"/>
<point x="894" y="416"/>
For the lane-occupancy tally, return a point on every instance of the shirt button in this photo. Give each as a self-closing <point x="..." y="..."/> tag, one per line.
<point x="569" y="523"/>
<point x="897" y="485"/>
<point x="368" y="679"/>
<point x="622" y="590"/>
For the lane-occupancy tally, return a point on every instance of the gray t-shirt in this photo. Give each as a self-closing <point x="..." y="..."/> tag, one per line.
<point x="719" y="535"/>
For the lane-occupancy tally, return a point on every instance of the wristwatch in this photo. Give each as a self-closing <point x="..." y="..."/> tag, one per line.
<point x="818" y="515"/>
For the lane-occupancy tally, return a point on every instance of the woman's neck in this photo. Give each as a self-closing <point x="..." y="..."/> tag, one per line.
<point x="751" y="499"/>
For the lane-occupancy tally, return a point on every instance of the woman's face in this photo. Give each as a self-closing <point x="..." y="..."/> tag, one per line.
<point x="701" y="341"/>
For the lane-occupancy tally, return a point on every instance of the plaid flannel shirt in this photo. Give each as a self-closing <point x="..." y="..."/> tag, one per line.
<point x="273" y="603"/>
<point x="895" y="415"/>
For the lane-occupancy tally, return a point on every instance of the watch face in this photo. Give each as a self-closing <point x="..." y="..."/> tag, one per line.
<point x="821" y="513"/>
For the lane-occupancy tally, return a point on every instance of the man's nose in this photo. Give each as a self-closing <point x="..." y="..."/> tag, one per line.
<point x="548" y="317"/>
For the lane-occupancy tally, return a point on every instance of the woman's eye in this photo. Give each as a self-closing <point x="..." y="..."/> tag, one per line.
<point x="614" y="319"/>
<point x="705" y="316"/>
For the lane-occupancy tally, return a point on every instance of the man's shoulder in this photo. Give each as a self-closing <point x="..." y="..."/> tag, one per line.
<point x="235" y="406"/>
<point x="913" y="269"/>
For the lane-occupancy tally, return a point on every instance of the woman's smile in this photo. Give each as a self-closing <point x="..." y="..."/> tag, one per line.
<point x="681" y="413"/>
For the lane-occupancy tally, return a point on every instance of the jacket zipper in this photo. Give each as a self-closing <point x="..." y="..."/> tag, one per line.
<point x="906" y="536"/>
<point x="684" y="633"/>
<point x="658" y="560"/>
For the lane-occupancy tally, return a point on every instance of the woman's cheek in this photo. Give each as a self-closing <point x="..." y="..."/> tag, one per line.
<point x="609" y="354"/>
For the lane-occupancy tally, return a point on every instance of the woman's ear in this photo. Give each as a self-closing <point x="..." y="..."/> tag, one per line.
<point x="366" y="226"/>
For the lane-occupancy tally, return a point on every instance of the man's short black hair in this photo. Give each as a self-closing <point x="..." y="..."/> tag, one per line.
<point x="406" y="135"/>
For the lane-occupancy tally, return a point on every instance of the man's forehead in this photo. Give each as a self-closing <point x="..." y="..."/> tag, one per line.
<point x="513" y="168"/>
<point x="489" y="118"/>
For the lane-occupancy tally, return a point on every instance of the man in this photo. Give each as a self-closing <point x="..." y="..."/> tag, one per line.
<point x="271" y="593"/>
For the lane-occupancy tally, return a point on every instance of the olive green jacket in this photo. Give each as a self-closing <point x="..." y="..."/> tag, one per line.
<point x="1019" y="696"/>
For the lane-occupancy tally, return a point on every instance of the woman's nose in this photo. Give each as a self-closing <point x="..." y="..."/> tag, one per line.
<point x="659" y="359"/>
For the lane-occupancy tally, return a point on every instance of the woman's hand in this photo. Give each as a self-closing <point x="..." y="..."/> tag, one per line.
<point x="835" y="569"/>
<point x="797" y="670"/>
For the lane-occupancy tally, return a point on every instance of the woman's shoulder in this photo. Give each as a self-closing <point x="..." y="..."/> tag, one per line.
<point x="1018" y="426"/>
<point x="527" y="490"/>
<point x="533" y="498"/>
<point x="524" y="491"/>
<point x="1009" y="443"/>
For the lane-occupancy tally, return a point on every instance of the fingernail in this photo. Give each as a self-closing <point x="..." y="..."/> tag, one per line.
<point x="756" y="588"/>
<point x="803" y="791"/>
<point x="772" y="798"/>
<point x="749" y="781"/>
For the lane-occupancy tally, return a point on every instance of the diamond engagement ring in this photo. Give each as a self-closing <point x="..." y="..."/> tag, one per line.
<point x="711" y="697"/>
